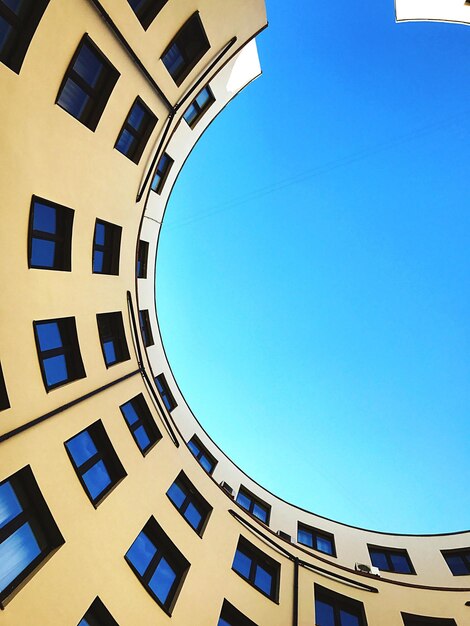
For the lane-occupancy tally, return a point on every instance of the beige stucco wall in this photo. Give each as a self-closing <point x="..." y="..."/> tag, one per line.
<point x="48" y="153"/>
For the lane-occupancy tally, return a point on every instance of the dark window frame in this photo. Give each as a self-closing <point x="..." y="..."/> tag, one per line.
<point x="463" y="553"/>
<point x="99" y="94"/>
<point x="388" y="552"/>
<point x="111" y="248"/>
<point x="167" y="550"/>
<point x="145" y="419"/>
<point x="202" y="452"/>
<point x="258" y="557"/>
<point x="37" y="514"/>
<point x="142" y="259"/>
<point x="70" y="350"/>
<point x="16" y="49"/>
<point x="98" y="615"/>
<point x="316" y="533"/>
<point x="145" y="328"/>
<point x="62" y="237"/>
<point x="254" y="501"/>
<point x="410" y="619"/>
<point x="192" y="496"/>
<point x="161" y="172"/>
<point x="165" y="392"/>
<point x="148" y="11"/>
<point x="199" y="111"/>
<point x="111" y="328"/>
<point x="233" y="616"/>
<point x="105" y="453"/>
<point x="184" y="36"/>
<point x="339" y="602"/>
<point x="4" y="399"/>
<point x="140" y="135"/>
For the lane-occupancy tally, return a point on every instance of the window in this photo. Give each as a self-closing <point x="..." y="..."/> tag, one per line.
<point x="161" y="173"/>
<point x="106" y="248"/>
<point x="189" y="502"/>
<point x="316" y="539"/>
<point x="391" y="560"/>
<point x="142" y="256"/>
<point x="87" y="85"/>
<point x="253" y="505"/>
<point x="50" y="235"/>
<point x="112" y="337"/>
<point x="96" y="463"/>
<point x="204" y="457"/>
<point x="334" y="609"/>
<point x="199" y="106"/>
<point x="147" y="10"/>
<point x="147" y="336"/>
<point x="141" y="424"/>
<point x="18" y="22"/>
<point x="98" y="615"/>
<point x="257" y="568"/>
<point x="165" y="393"/>
<point x="458" y="561"/>
<point x="58" y="351"/>
<point x="187" y="48"/>
<point x="158" y="564"/>
<point x="421" y="620"/>
<point x="136" y="131"/>
<point x="28" y="533"/>
<point x="4" y="401"/>
<point x="230" y="616"/>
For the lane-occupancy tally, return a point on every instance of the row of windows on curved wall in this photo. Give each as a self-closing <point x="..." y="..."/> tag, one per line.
<point x="386" y="559"/>
<point x="19" y="20"/>
<point x="50" y="235"/>
<point x="29" y="533"/>
<point x="50" y="241"/>
<point x="59" y="352"/>
<point x="94" y="458"/>
<point x="90" y="78"/>
<point x="201" y="103"/>
<point x="162" y="568"/>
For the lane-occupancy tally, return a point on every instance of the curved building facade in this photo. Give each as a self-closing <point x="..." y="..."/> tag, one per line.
<point x="116" y="507"/>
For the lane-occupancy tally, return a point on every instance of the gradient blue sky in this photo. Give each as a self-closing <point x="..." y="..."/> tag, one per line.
<point x="313" y="271"/>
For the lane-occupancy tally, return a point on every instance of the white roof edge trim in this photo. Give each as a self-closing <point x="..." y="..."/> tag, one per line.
<point x="245" y="68"/>
<point x="433" y="10"/>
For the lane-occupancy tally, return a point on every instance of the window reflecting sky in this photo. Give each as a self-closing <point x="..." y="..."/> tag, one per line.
<point x="313" y="271"/>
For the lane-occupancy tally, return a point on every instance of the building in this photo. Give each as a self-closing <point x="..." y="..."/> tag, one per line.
<point x="116" y="507"/>
<point x="433" y="10"/>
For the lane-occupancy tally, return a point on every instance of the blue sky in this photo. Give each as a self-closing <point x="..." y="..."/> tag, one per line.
<point x="313" y="270"/>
